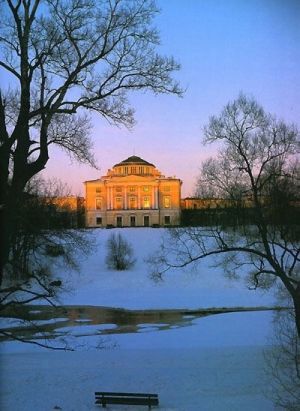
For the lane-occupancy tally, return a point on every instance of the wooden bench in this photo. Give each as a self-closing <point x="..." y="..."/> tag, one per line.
<point x="103" y="398"/>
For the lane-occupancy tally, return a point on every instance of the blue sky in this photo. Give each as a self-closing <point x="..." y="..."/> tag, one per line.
<point x="224" y="47"/>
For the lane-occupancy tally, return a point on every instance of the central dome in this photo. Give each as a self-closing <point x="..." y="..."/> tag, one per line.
<point x="134" y="160"/>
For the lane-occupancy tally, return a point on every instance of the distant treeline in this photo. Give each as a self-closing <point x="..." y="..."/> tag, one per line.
<point x="237" y="216"/>
<point x="38" y="213"/>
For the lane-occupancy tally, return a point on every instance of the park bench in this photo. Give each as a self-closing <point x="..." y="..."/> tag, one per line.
<point x="103" y="398"/>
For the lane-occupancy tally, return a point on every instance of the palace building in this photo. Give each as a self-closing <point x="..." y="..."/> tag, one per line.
<point x="133" y="193"/>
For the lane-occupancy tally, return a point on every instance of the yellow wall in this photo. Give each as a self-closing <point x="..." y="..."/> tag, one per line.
<point x="118" y="194"/>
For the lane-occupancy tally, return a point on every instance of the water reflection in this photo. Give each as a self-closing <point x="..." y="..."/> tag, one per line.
<point x="40" y="321"/>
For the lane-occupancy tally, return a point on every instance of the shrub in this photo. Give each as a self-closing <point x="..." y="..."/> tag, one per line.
<point x="55" y="250"/>
<point x="119" y="253"/>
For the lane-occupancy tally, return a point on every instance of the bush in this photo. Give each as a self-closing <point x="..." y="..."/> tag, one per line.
<point x="55" y="250"/>
<point x="119" y="253"/>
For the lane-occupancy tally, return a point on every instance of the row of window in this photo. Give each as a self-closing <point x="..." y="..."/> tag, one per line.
<point x="146" y="221"/>
<point x="133" y="202"/>
<point x="132" y="170"/>
<point x="132" y="189"/>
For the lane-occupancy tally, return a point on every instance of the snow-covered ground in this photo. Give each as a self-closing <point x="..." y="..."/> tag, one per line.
<point x="217" y="363"/>
<point x="189" y="288"/>
<point x="185" y="379"/>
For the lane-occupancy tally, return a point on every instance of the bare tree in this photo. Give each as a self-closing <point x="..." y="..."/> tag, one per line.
<point x="119" y="253"/>
<point x="39" y="248"/>
<point x="283" y="362"/>
<point x="40" y="243"/>
<point x="256" y="152"/>
<point x="66" y="58"/>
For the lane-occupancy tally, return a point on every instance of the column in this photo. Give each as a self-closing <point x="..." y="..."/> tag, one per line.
<point x="107" y="198"/>
<point x="156" y="198"/>
<point x="139" y="197"/>
<point x="153" y="197"/>
<point x="125" y="194"/>
<point x="111" y="199"/>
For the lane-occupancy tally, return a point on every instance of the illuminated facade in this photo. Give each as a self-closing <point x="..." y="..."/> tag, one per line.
<point x="133" y="193"/>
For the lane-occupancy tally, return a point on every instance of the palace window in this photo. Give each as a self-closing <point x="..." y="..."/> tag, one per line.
<point x="167" y="202"/>
<point x="146" y="202"/>
<point x="119" y="203"/>
<point x="132" y="202"/>
<point x="98" y="189"/>
<point x="99" y="220"/>
<point x="131" y="189"/>
<point x="133" y="170"/>
<point x="98" y="203"/>
<point x="146" y="188"/>
<point x="118" y="189"/>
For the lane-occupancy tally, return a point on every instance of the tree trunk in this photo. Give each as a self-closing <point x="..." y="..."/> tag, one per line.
<point x="9" y="223"/>
<point x="4" y="187"/>
<point x="8" y="226"/>
<point x="4" y="243"/>
<point x="296" y="300"/>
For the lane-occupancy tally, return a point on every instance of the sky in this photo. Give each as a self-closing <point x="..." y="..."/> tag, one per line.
<point x="224" y="48"/>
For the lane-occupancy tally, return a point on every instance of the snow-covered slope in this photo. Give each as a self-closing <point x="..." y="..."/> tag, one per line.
<point x="188" y="288"/>
<point x="217" y="363"/>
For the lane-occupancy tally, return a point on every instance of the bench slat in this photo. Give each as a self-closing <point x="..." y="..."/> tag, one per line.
<point x="125" y="394"/>
<point x="128" y="401"/>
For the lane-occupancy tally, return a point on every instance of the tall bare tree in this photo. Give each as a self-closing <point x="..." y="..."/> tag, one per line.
<point x="67" y="58"/>
<point x="256" y="160"/>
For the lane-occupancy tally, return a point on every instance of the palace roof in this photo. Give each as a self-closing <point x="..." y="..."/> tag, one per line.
<point x="134" y="160"/>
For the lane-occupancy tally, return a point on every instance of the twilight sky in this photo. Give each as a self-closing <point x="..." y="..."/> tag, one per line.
<point x="224" y="47"/>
